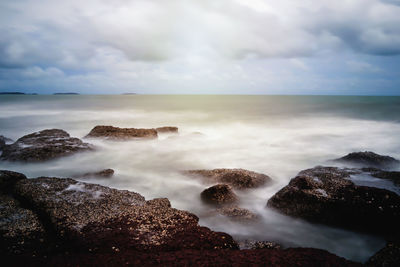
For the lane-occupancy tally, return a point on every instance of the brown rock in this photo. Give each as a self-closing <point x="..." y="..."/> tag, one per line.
<point x="106" y="173"/>
<point x="238" y="214"/>
<point x="167" y="129"/>
<point x="389" y="256"/>
<point x="44" y="145"/>
<point x="116" y="133"/>
<point x="8" y="180"/>
<point x="369" y="159"/>
<point x="324" y="195"/>
<point x="252" y="244"/>
<point x="237" y="178"/>
<point x="218" y="195"/>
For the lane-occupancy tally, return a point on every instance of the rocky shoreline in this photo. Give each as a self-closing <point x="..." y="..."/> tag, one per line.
<point x="64" y="222"/>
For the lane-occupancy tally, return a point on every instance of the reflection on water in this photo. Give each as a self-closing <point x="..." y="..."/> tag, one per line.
<point x="275" y="135"/>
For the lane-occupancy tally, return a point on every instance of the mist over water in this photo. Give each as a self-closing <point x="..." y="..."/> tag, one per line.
<point x="275" y="135"/>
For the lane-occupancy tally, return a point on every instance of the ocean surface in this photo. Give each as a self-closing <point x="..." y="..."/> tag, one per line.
<point x="275" y="135"/>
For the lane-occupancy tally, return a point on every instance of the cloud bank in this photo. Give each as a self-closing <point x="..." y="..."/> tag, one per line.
<point x="219" y="46"/>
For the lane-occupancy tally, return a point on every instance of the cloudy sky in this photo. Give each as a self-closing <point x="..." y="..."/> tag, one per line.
<point x="201" y="46"/>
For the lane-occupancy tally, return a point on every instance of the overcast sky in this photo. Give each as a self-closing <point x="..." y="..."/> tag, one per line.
<point x="201" y="46"/>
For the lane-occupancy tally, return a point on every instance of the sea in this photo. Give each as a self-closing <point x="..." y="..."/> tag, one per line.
<point x="275" y="135"/>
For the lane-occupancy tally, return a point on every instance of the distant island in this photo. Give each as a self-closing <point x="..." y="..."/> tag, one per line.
<point x="65" y="94"/>
<point x="16" y="93"/>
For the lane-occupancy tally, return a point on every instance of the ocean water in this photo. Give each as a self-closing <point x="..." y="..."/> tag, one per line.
<point x="275" y="135"/>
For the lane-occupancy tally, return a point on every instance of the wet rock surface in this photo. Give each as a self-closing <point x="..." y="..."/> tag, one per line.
<point x="237" y="178"/>
<point x="44" y="145"/>
<point x="393" y="176"/>
<point x="4" y="141"/>
<point x="116" y="133"/>
<point x="252" y="244"/>
<point x="325" y="195"/>
<point x="167" y="129"/>
<point x="389" y="256"/>
<point x="238" y="214"/>
<point x="219" y="194"/>
<point x="369" y="159"/>
<point x="93" y="217"/>
<point x="106" y="173"/>
<point x="8" y="179"/>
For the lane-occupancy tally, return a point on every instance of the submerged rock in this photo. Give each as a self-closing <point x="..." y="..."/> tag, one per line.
<point x="93" y="217"/>
<point x="44" y="145"/>
<point x="218" y="195"/>
<point x="116" y="133"/>
<point x="369" y="159"/>
<point x="393" y="176"/>
<point x="167" y="129"/>
<point x="238" y="214"/>
<point x="106" y="173"/>
<point x="325" y="195"/>
<point x="237" y="178"/>
<point x="389" y="256"/>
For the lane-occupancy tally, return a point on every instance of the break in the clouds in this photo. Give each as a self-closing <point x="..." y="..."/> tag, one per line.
<point x="207" y="46"/>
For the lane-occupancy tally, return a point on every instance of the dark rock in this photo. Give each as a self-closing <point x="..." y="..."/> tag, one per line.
<point x="324" y="195"/>
<point x="389" y="256"/>
<point x="106" y="173"/>
<point x="167" y="129"/>
<point x="393" y="176"/>
<point x="8" y="180"/>
<point x="44" y="145"/>
<point x="92" y="217"/>
<point x="237" y="178"/>
<point x="369" y="159"/>
<point x="116" y="133"/>
<point x="20" y="229"/>
<point x="218" y="195"/>
<point x="259" y="257"/>
<point x="252" y="244"/>
<point x="4" y="141"/>
<point x="238" y="214"/>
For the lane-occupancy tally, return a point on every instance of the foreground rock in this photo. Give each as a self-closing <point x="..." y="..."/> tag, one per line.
<point x="219" y="194"/>
<point x="106" y="173"/>
<point x="238" y="214"/>
<point x="116" y="133"/>
<point x="237" y="178"/>
<point x="389" y="256"/>
<point x="369" y="159"/>
<point x="252" y="244"/>
<point x="44" y="145"/>
<point x="324" y="195"/>
<point x="167" y="129"/>
<point x="96" y="218"/>
<point x="8" y="179"/>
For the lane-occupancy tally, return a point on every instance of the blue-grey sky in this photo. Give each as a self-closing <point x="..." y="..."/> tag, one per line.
<point x="201" y="46"/>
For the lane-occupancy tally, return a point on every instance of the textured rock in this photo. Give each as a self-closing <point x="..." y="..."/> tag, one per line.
<point x="324" y="195"/>
<point x="259" y="257"/>
<point x="219" y="194"/>
<point x="20" y="229"/>
<point x="106" y="173"/>
<point x="389" y="256"/>
<point x="393" y="176"/>
<point x="8" y="180"/>
<point x="252" y="244"/>
<point x="369" y="159"/>
<point x="43" y="145"/>
<point x="93" y="217"/>
<point x="167" y="129"/>
<point x="238" y="214"/>
<point x="116" y="133"/>
<point x="4" y="141"/>
<point x="237" y="178"/>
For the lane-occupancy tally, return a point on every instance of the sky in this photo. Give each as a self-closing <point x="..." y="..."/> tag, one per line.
<point x="345" y="47"/>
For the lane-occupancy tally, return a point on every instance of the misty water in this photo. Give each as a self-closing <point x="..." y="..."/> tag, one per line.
<point x="275" y="135"/>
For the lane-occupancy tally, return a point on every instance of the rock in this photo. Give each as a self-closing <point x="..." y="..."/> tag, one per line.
<point x="252" y="244"/>
<point x="325" y="195"/>
<point x="389" y="256"/>
<point x="106" y="173"/>
<point x="393" y="176"/>
<point x="218" y="195"/>
<point x="369" y="159"/>
<point x="44" y="145"/>
<point x="237" y="178"/>
<point x="91" y="217"/>
<point x="20" y="229"/>
<point x="116" y="133"/>
<point x="167" y="129"/>
<point x="4" y="141"/>
<point x="8" y="180"/>
<point x="238" y="214"/>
